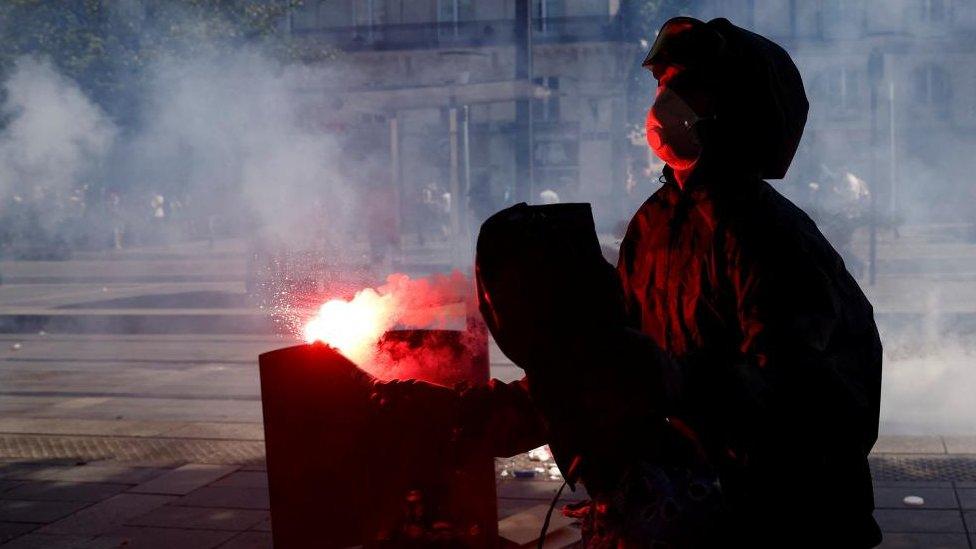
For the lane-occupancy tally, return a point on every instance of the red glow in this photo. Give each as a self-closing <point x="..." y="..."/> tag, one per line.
<point x="353" y="327"/>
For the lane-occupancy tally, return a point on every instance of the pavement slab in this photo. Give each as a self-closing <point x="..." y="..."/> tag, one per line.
<point x="967" y="498"/>
<point x="152" y="350"/>
<point x="144" y="451"/>
<point x="511" y="506"/>
<point x="245" y="479"/>
<point x="171" y="516"/>
<point x="924" y="541"/>
<point x="143" y="537"/>
<point x="935" y="498"/>
<point x="224" y="431"/>
<point x="255" y="467"/>
<point x="537" y="490"/>
<point x="109" y="473"/>
<point x="6" y="485"/>
<point x="55" y="541"/>
<point x="249" y="540"/>
<point x="913" y="484"/>
<point x="232" y="497"/>
<point x="11" y="530"/>
<point x="95" y="427"/>
<point x="184" y="479"/>
<point x="13" y="471"/>
<point x="900" y="444"/>
<point x="64" y="491"/>
<point x="919" y="521"/>
<point x="16" y="510"/>
<point x="960" y="444"/>
<point x="922" y="467"/>
<point x="107" y="515"/>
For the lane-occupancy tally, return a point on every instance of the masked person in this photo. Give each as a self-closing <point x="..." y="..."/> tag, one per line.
<point x="733" y="358"/>
<point x="777" y="348"/>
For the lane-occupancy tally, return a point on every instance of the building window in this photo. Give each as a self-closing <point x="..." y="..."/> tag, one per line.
<point x="455" y="11"/>
<point x="450" y="15"/>
<point x="546" y="12"/>
<point x="933" y="11"/>
<point x="842" y="88"/>
<point x="842" y="13"/>
<point x="547" y="109"/>
<point x="367" y="13"/>
<point x="931" y="85"/>
<point x="334" y="13"/>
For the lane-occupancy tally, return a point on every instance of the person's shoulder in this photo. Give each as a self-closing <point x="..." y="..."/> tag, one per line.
<point x="757" y="205"/>
<point x="769" y="221"/>
<point x="642" y="225"/>
<point x="655" y="203"/>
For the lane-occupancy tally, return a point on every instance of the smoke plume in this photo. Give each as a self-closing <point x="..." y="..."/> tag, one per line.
<point x="55" y="140"/>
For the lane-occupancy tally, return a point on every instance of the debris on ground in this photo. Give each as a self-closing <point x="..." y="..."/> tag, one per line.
<point x="914" y="501"/>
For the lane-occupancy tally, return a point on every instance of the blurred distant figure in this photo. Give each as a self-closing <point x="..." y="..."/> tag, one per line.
<point x="211" y="230"/>
<point x="381" y="226"/>
<point x="445" y="205"/>
<point x="548" y="196"/>
<point x="415" y="215"/>
<point x="431" y="212"/>
<point x="481" y="200"/>
<point x="117" y="220"/>
<point x="839" y="203"/>
<point x="972" y="213"/>
<point x="158" y="205"/>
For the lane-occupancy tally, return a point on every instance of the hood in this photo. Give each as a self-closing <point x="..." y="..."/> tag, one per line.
<point x="542" y="280"/>
<point x="761" y="105"/>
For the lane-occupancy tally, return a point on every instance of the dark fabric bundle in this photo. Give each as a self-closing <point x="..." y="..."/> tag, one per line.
<point x="540" y="271"/>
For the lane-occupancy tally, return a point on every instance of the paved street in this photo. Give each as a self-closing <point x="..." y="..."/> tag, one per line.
<point x="118" y="431"/>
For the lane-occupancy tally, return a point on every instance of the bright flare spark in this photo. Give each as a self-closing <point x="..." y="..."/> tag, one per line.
<point x="353" y="327"/>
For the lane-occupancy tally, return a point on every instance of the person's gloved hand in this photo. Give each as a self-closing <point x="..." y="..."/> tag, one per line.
<point x="406" y="394"/>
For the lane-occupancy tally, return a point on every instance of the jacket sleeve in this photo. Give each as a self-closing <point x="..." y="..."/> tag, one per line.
<point x="664" y="370"/>
<point x="809" y="366"/>
<point x="501" y="418"/>
<point x="625" y="267"/>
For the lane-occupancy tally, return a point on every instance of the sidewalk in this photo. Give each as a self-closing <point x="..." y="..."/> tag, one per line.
<point x="61" y="497"/>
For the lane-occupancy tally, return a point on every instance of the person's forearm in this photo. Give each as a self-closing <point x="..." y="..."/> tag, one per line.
<point x="501" y="418"/>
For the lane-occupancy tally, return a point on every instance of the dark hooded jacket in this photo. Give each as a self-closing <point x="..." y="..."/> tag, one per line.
<point x="765" y="351"/>
<point x="587" y="373"/>
<point x="778" y="350"/>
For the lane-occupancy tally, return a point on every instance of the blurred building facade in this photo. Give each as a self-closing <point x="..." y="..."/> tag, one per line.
<point x="444" y="93"/>
<point x="924" y="113"/>
<point x="447" y="89"/>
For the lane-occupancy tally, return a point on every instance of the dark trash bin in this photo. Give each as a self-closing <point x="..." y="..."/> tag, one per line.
<point x="342" y="472"/>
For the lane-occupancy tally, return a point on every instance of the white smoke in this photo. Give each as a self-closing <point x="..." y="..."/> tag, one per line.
<point x="231" y="126"/>
<point x="56" y="138"/>
<point x="225" y="135"/>
<point x="928" y="383"/>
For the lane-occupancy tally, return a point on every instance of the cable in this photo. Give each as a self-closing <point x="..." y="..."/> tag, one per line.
<point x="545" y="524"/>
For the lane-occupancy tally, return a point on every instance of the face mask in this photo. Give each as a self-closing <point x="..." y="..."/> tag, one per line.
<point x="671" y="130"/>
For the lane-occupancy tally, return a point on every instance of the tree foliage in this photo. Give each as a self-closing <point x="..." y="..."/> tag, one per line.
<point x="105" y="45"/>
